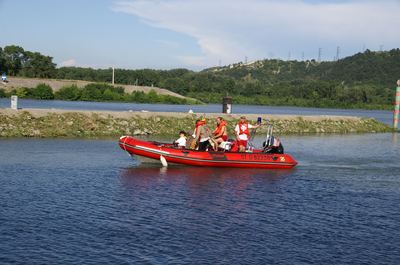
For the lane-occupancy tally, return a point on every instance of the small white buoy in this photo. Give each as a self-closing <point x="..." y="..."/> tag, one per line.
<point x="163" y="161"/>
<point x="190" y="111"/>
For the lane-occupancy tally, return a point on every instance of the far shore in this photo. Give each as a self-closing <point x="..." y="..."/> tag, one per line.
<point x="88" y="123"/>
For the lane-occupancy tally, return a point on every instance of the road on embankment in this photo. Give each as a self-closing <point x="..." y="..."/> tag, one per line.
<point x="57" y="84"/>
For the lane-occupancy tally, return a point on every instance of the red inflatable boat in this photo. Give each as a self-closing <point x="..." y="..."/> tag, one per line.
<point x="168" y="153"/>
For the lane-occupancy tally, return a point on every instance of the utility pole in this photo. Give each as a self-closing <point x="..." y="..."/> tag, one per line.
<point x="337" y="53"/>
<point x="302" y="56"/>
<point x="245" y="60"/>
<point x="113" y="74"/>
<point x="319" y="54"/>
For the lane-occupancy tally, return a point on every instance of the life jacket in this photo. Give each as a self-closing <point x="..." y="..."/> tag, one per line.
<point x="244" y="131"/>
<point x="206" y="132"/>
<point x="218" y="130"/>
<point x="198" y="124"/>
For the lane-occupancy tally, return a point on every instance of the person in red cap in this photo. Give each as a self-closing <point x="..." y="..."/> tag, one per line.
<point x="242" y="131"/>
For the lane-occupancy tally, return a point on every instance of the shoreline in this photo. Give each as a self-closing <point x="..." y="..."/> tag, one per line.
<point x="87" y="123"/>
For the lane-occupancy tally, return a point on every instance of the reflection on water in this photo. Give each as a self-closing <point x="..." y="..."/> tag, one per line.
<point x="211" y="190"/>
<point x="394" y="138"/>
<point x="202" y="174"/>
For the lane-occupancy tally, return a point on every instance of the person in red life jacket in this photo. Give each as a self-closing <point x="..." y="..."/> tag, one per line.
<point x="220" y="133"/>
<point x="242" y="131"/>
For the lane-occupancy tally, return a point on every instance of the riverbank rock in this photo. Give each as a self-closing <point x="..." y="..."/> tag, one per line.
<point x="63" y="123"/>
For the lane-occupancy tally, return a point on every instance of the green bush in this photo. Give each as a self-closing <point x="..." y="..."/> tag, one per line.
<point x="42" y="91"/>
<point x="99" y="92"/>
<point x="22" y="92"/>
<point x="68" y="93"/>
<point x="2" y="93"/>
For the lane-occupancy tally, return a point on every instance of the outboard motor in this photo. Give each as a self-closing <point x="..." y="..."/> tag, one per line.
<point x="272" y="145"/>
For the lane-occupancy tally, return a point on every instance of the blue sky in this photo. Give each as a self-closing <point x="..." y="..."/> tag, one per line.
<point x="195" y="34"/>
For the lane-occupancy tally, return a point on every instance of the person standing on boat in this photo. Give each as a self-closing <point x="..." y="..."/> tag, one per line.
<point x="242" y="131"/>
<point x="220" y="133"/>
<point x="202" y="134"/>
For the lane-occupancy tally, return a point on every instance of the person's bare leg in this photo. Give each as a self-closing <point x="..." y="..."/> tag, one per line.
<point x="241" y="148"/>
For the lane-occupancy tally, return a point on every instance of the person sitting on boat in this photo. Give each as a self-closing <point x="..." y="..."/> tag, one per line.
<point x="202" y="135"/>
<point x="220" y="133"/>
<point x="181" y="141"/>
<point x="243" y="133"/>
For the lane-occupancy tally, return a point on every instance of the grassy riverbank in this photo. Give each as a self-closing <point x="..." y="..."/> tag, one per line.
<point x="64" y="123"/>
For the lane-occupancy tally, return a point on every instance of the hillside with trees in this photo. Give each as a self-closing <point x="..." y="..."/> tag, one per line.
<point x="364" y="80"/>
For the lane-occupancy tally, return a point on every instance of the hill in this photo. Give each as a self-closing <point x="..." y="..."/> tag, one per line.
<point x="364" y="80"/>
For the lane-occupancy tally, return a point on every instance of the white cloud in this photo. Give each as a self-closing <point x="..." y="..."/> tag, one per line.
<point x="70" y="62"/>
<point x="229" y="30"/>
<point x="169" y="44"/>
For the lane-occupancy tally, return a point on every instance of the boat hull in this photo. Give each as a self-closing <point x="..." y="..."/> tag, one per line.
<point x="155" y="150"/>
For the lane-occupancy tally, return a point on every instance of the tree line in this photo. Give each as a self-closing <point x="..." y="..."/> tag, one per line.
<point x="364" y="80"/>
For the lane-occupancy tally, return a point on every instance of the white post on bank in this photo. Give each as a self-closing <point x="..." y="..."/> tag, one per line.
<point x="14" y="102"/>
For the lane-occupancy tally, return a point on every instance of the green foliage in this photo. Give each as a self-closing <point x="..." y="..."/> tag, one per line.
<point x="101" y="92"/>
<point x="68" y="93"/>
<point x="42" y="91"/>
<point x="14" y="60"/>
<point x="363" y="80"/>
<point x="106" y="92"/>
<point x="2" y="93"/>
<point x="14" y="57"/>
<point x="37" y="65"/>
<point x="22" y="92"/>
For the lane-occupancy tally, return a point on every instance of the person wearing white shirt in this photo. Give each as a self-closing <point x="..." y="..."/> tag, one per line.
<point x="181" y="141"/>
<point x="242" y="131"/>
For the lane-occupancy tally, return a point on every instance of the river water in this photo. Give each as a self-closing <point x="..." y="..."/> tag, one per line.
<point x="381" y="115"/>
<point x="69" y="201"/>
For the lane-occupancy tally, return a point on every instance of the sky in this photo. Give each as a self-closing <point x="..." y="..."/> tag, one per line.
<point x="196" y="34"/>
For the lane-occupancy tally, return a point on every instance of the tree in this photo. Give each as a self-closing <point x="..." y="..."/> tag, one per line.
<point x="3" y="68"/>
<point x="13" y="56"/>
<point x="38" y="65"/>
